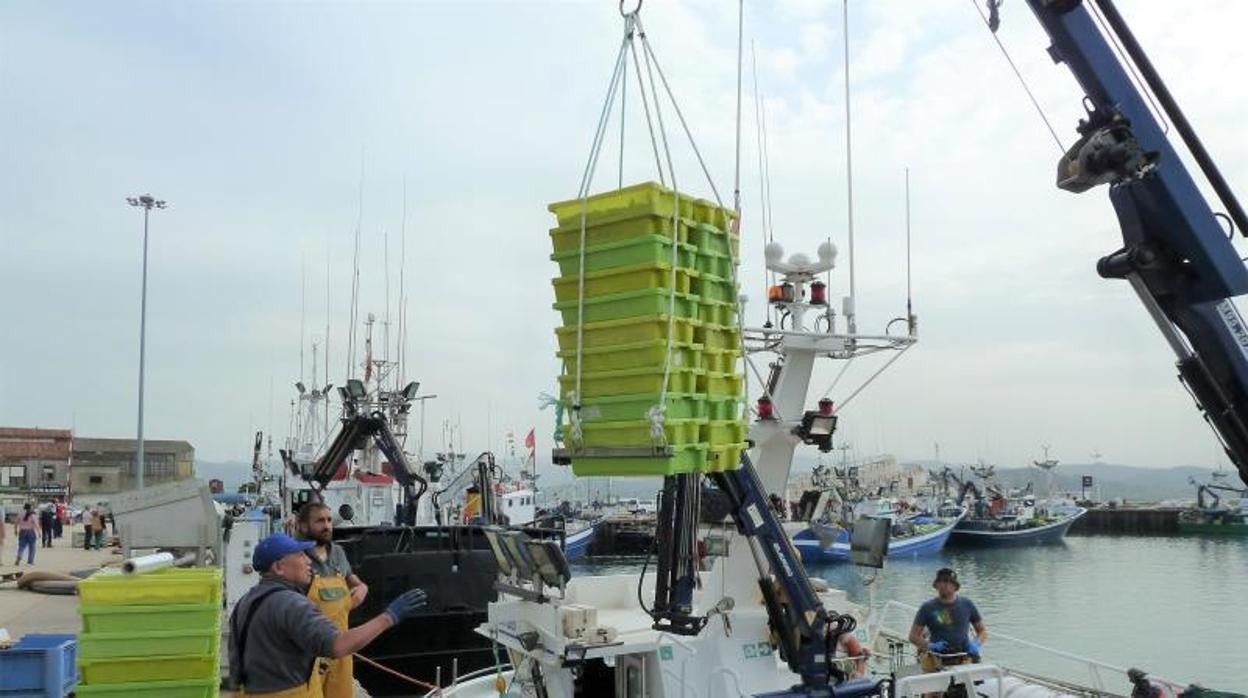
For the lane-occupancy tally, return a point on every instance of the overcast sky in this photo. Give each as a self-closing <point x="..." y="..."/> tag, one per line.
<point x="253" y="119"/>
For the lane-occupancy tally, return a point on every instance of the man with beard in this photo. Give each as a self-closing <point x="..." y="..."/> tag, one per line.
<point x="335" y="589"/>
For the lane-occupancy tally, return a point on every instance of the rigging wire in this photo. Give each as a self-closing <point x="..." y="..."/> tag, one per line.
<point x="1043" y="117"/>
<point x="851" y="316"/>
<point x="762" y="186"/>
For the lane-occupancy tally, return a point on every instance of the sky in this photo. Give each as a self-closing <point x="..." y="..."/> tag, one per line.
<point x="276" y="129"/>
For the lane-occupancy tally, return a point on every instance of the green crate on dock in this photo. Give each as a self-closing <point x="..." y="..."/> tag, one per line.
<point x="141" y="669"/>
<point x="722" y="408"/>
<point x="568" y="238"/>
<point x="135" y="619"/>
<point x="686" y="459"/>
<point x="715" y="313"/>
<point x="616" y="408"/>
<point x="714" y="289"/>
<point x="631" y="381"/>
<point x="725" y="457"/>
<point x="149" y="643"/>
<point x="645" y="199"/>
<point x="197" y="585"/>
<point x="721" y="384"/>
<point x="635" y="355"/>
<point x="188" y="688"/>
<point x="635" y="433"/>
<point x="648" y="249"/>
<point x="622" y="279"/>
<point x="720" y="360"/>
<point x="618" y="306"/>
<point x="602" y="335"/>
<point x="718" y="336"/>
<point x="720" y="432"/>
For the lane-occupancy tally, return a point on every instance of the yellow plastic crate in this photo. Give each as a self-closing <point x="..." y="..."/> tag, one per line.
<point x="647" y="249"/>
<point x="720" y="432"/>
<point x="726" y="457"/>
<point x="566" y="239"/>
<point x="199" y="585"/>
<point x="612" y="333"/>
<point x="710" y="213"/>
<point x="645" y="199"/>
<point x="686" y="459"/>
<point x="648" y="354"/>
<point x="630" y="381"/>
<point x="618" y="408"/>
<point x="714" y="313"/>
<point x="721" y="360"/>
<point x="635" y="433"/>
<point x="721" y="384"/>
<point x="186" y="688"/>
<point x="723" y="408"/>
<point x="149" y="643"/>
<point x="644" y="303"/>
<point x="623" y="279"/>
<point x="718" y="336"/>
<point x="714" y="289"/>
<point x="136" y="669"/>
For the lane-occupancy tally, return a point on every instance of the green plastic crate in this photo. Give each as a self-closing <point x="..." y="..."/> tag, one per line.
<point x="718" y="336"/>
<point x="714" y="264"/>
<point x="715" y="313"/>
<point x="622" y="279"/>
<point x="711" y="213"/>
<point x="721" y="384"/>
<point x="712" y="240"/>
<point x="196" y="585"/>
<point x="720" y="432"/>
<point x="635" y="433"/>
<point x="721" y="360"/>
<point x="645" y="199"/>
<point x="722" y="408"/>
<point x="603" y="335"/>
<point x="135" y="669"/>
<point x="136" y="619"/>
<point x="686" y="459"/>
<point x="714" y="289"/>
<point x="636" y="355"/>
<point x="149" y="643"/>
<point x="649" y="249"/>
<point x="617" y="306"/>
<point x="190" y="688"/>
<point x="568" y="238"/>
<point x="725" y="457"/>
<point x="616" y="408"/>
<point x="631" y="381"/>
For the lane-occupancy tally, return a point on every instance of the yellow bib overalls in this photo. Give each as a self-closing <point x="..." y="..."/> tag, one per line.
<point x="332" y="596"/>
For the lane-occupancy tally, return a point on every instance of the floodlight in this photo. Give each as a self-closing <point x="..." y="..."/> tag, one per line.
<point x="301" y="387"/>
<point x="409" y="391"/>
<point x="816" y="428"/>
<point x="505" y="567"/>
<point x="551" y="564"/>
<point x="521" y="559"/>
<point x="356" y="389"/>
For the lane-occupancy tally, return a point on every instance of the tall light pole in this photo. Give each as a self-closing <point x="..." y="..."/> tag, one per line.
<point x="146" y="202"/>
<point x="420" y="453"/>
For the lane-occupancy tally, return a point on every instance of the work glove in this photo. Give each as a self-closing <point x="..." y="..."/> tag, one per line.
<point x="405" y="605"/>
<point x="939" y="647"/>
<point x="973" y="647"/>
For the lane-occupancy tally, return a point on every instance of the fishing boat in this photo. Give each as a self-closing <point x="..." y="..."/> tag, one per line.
<point x="1212" y="517"/>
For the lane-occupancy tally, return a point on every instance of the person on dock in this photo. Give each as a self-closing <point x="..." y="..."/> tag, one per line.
<point x="278" y="637"/>
<point x="335" y="589"/>
<point x="46" y="516"/>
<point x="97" y="529"/>
<point x="3" y="530"/>
<point x="947" y="620"/>
<point x="26" y="527"/>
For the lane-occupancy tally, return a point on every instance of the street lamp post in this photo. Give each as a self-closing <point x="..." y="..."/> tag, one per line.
<point x="420" y="453"/>
<point x="146" y="202"/>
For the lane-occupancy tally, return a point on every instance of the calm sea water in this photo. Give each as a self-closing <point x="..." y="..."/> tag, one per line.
<point x="1176" y="607"/>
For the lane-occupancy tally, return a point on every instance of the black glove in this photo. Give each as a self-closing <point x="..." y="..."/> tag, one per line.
<point x="405" y="605"/>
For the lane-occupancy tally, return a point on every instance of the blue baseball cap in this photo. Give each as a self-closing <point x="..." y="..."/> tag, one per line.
<point x="276" y="547"/>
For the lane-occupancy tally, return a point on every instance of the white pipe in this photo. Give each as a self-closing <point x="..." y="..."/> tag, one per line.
<point x="147" y="563"/>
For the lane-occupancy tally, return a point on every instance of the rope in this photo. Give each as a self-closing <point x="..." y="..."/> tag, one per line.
<point x="392" y="672"/>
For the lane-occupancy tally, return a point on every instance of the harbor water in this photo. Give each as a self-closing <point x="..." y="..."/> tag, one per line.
<point x="1176" y="607"/>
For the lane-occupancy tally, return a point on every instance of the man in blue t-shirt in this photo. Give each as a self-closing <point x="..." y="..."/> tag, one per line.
<point x="947" y="619"/>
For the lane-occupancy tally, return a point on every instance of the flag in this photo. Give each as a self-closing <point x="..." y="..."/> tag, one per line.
<point x="530" y="440"/>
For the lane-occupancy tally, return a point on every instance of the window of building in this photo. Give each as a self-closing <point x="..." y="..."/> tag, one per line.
<point x="96" y="479"/>
<point x="49" y="473"/>
<point x="159" y="466"/>
<point x="13" y="475"/>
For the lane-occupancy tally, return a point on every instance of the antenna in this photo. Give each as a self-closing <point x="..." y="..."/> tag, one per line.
<point x="909" y="293"/>
<point x="303" y="312"/>
<point x="736" y="178"/>
<point x="401" y="350"/>
<point x="851" y="313"/>
<point x="355" y="272"/>
<point x="385" y="246"/>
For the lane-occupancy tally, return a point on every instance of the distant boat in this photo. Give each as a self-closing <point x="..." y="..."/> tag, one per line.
<point x="1210" y="517"/>
<point x="913" y="532"/>
<point x="999" y="519"/>
<point x="926" y="538"/>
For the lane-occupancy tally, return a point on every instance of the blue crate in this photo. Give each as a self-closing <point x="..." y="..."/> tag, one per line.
<point x="39" y="665"/>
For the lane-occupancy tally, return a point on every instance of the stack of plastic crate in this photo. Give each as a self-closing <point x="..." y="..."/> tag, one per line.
<point x="152" y="634"/>
<point x="629" y="315"/>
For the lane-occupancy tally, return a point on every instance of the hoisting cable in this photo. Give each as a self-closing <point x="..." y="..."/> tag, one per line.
<point x="992" y="22"/>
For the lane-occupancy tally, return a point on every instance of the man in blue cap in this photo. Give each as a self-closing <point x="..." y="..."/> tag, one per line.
<point x="277" y="635"/>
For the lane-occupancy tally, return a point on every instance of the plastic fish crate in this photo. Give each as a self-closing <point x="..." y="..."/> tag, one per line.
<point x="568" y="238"/>
<point x="618" y="306"/>
<point x="137" y="619"/>
<point x="714" y="264"/>
<point x="715" y="313"/>
<point x="709" y="212"/>
<point x="618" y="408"/>
<point x="711" y="239"/>
<point x="603" y="335"/>
<point x="714" y="289"/>
<point x="622" y="279"/>
<point x="723" y="408"/>
<point x="647" y="354"/>
<point x="39" y="665"/>
<point x="721" y="360"/>
<point x="721" y="384"/>
<point x="636" y="433"/>
<point x="649" y="249"/>
<point x="198" y="585"/>
<point x="190" y="688"/>
<point x="631" y="381"/>
<point x="686" y="459"/>
<point x="140" y="669"/>
<point x="149" y="643"/>
<point x="720" y="432"/>
<point x="718" y="336"/>
<point x="725" y="457"/>
<point x="647" y="198"/>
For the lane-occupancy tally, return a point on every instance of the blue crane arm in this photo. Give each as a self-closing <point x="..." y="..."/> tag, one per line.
<point x="1176" y="253"/>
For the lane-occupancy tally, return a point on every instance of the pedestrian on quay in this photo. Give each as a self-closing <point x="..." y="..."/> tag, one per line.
<point x="4" y="531"/>
<point x="45" y="525"/>
<point x="26" y="526"/>
<point x="97" y="529"/>
<point x="278" y="637"/>
<point x="88" y="537"/>
<point x="58" y="524"/>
